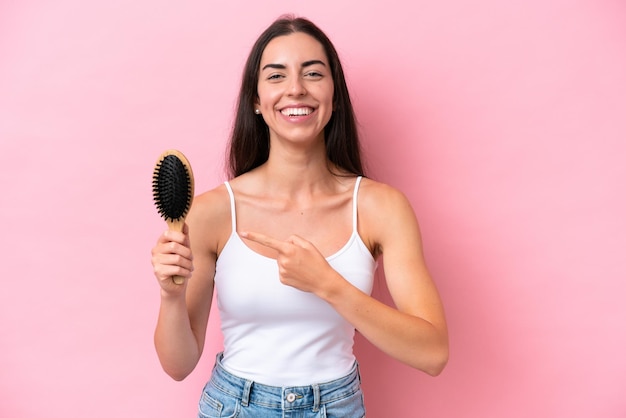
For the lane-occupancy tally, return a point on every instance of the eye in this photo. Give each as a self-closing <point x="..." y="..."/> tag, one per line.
<point x="313" y="74"/>
<point x="275" y="77"/>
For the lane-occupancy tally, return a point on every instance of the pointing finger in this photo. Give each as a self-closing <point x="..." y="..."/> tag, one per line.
<point x="263" y="240"/>
<point x="299" y="241"/>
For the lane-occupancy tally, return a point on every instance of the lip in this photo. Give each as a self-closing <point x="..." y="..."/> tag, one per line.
<point x="296" y="106"/>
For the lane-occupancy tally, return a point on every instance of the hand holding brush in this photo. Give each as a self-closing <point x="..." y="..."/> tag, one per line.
<point x="173" y="190"/>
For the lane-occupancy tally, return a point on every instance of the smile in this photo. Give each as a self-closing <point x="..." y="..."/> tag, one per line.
<point x="297" y="111"/>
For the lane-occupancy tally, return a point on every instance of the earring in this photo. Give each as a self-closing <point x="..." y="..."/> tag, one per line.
<point x="257" y="111"/>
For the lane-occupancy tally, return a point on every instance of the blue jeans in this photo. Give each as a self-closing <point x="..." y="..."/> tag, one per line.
<point x="229" y="396"/>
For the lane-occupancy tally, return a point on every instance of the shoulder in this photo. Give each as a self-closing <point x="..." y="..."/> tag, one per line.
<point x="381" y="197"/>
<point x="247" y="183"/>
<point x="209" y="218"/>
<point x="211" y="204"/>
<point x="385" y="214"/>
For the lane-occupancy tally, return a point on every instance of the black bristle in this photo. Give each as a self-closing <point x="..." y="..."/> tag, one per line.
<point x="171" y="188"/>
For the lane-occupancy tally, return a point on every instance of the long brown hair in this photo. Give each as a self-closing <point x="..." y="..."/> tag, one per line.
<point x="249" y="141"/>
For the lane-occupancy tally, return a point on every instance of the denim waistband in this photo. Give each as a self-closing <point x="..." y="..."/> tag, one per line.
<point x="288" y="397"/>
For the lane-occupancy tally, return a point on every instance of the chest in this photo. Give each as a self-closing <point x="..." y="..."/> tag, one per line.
<point x="328" y="225"/>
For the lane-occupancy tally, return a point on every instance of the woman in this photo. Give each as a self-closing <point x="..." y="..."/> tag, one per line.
<point x="290" y="244"/>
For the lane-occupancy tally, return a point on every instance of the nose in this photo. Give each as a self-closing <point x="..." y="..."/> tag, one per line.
<point x="296" y="87"/>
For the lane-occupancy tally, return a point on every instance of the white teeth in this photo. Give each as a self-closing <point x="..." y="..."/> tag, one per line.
<point x="296" y="111"/>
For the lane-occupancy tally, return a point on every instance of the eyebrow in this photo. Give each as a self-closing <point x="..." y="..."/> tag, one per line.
<point x="304" y="65"/>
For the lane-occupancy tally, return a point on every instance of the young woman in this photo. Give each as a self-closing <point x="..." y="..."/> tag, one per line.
<point x="290" y="244"/>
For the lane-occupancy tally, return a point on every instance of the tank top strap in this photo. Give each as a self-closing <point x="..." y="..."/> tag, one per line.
<point x="354" y="203"/>
<point x="233" y="215"/>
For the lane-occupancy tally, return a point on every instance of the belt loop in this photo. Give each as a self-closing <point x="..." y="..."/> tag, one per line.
<point x="245" y="396"/>
<point x="316" y="398"/>
<point x="358" y="372"/>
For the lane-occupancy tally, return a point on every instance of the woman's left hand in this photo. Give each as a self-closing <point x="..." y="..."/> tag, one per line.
<point x="300" y="264"/>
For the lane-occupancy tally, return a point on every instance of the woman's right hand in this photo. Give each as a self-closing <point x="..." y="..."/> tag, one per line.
<point x="171" y="256"/>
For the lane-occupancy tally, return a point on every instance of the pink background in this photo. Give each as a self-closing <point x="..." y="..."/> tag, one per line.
<point x="504" y="123"/>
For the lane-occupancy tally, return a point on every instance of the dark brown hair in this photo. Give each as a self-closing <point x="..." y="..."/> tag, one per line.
<point x="249" y="140"/>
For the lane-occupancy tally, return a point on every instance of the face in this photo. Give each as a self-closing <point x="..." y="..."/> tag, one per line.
<point x="295" y="89"/>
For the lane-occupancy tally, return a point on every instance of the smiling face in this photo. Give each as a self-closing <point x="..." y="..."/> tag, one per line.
<point x="295" y="88"/>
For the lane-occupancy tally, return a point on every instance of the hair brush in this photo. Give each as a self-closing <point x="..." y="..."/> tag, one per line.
<point x="173" y="188"/>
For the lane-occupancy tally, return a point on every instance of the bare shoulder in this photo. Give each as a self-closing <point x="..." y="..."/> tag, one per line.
<point x="211" y="203"/>
<point x="385" y="214"/>
<point x="209" y="219"/>
<point x="381" y="198"/>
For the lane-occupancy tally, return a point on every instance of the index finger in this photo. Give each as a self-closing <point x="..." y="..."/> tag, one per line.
<point x="263" y="240"/>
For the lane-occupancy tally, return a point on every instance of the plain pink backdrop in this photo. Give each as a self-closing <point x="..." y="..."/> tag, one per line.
<point x="503" y="122"/>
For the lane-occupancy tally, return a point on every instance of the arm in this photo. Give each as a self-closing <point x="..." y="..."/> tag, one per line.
<point x="184" y="311"/>
<point x="414" y="332"/>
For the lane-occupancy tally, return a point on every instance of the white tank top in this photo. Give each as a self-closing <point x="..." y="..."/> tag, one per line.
<point x="275" y="334"/>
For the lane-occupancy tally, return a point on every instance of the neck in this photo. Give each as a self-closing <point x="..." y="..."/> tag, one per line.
<point x="299" y="171"/>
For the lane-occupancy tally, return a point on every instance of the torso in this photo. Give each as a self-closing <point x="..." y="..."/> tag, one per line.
<point x="261" y="318"/>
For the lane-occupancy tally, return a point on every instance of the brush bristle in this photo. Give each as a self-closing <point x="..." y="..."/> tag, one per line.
<point x="171" y="188"/>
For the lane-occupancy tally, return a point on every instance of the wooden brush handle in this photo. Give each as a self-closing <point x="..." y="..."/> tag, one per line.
<point x="177" y="226"/>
